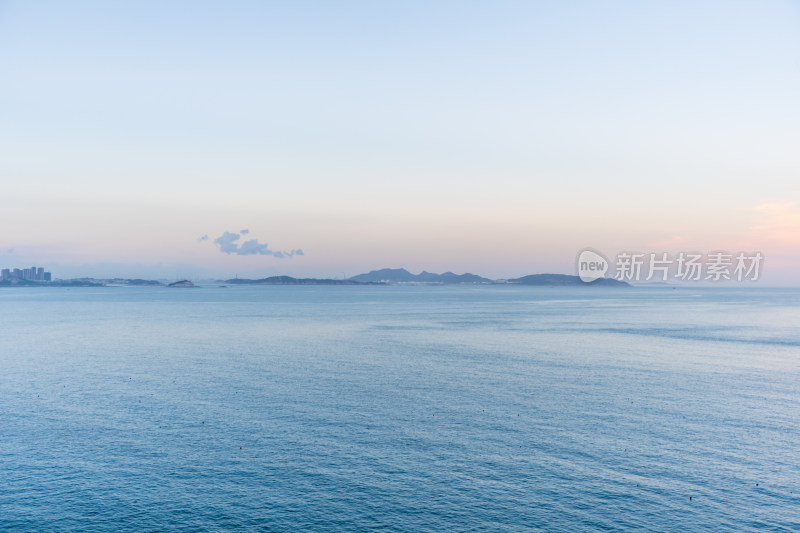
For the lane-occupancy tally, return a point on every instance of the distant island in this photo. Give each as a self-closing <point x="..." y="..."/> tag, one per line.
<point x="288" y="280"/>
<point x="133" y="282"/>
<point x="79" y="282"/>
<point x="182" y="283"/>
<point x="385" y="276"/>
<point x="401" y="276"/>
<point x="562" y="280"/>
<point x="14" y="282"/>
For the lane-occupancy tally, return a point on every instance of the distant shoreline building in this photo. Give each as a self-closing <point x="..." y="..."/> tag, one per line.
<point x="27" y="274"/>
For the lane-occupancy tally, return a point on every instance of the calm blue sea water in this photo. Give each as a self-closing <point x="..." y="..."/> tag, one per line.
<point x="399" y="409"/>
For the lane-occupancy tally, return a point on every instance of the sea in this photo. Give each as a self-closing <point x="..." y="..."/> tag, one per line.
<point x="400" y="408"/>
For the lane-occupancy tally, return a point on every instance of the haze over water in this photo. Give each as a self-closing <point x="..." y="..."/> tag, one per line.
<point x="400" y="408"/>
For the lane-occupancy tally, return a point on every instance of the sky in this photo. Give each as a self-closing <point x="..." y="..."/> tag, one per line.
<point x="139" y="139"/>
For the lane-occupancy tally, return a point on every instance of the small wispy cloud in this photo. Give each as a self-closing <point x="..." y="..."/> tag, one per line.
<point x="228" y="243"/>
<point x="203" y="238"/>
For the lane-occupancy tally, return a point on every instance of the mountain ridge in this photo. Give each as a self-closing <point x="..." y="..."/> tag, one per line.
<point x="564" y="280"/>
<point x="401" y="275"/>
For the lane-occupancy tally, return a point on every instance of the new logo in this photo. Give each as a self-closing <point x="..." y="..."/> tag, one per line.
<point x="591" y="265"/>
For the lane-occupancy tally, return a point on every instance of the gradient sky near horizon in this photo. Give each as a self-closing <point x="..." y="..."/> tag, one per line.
<point x="493" y="137"/>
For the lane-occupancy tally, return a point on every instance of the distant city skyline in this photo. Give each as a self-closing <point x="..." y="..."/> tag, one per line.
<point x="189" y="140"/>
<point x="29" y="274"/>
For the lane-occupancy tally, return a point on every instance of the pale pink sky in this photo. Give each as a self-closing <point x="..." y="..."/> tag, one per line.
<point x="497" y="139"/>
